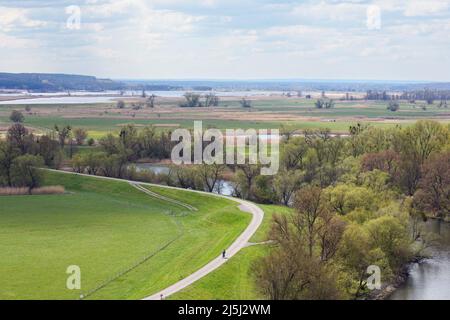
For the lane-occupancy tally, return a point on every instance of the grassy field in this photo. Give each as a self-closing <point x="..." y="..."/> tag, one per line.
<point x="266" y="112"/>
<point x="235" y="279"/>
<point x="106" y="227"/>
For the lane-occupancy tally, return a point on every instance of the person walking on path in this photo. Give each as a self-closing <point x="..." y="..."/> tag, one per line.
<point x="224" y="254"/>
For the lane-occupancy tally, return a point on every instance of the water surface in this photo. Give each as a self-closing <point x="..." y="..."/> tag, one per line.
<point x="430" y="280"/>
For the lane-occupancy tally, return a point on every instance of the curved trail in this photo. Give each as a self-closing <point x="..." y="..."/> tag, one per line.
<point x="241" y="242"/>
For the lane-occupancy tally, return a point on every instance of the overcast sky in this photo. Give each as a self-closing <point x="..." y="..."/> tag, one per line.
<point x="234" y="39"/>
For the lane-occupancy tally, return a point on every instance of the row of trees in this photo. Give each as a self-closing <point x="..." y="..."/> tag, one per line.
<point x="194" y="100"/>
<point x="429" y="96"/>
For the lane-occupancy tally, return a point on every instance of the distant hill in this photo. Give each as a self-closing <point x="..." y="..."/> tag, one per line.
<point x="48" y="82"/>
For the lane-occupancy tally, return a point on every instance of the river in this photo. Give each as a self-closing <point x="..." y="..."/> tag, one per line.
<point x="430" y="280"/>
<point x="224" y="187"/>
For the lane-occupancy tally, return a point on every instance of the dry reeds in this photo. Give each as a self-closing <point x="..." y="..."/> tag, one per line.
<point x="11" y="191"/>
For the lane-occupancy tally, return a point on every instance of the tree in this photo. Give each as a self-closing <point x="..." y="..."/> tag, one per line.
<point x="25" y="171"/>
<point x="310" y="205"/>
<point x="80" y="136"/>
<point x="434" y="186"/>
<point x="357" y="254"/>
<point x="386" y="161"/>
<point x="286" y="183"/>
<point x="292" y="270"/>
<point x="245" y="103"/>
<point x="390" y="235"/>
<point x="63" y="134"/>
<point x="245" y="179"/>
<point x="91" y="142"/>
<point x="345" y="198"/>
<point x="393" y="106"/>
<point x="192" y="100"/>
<point x="330" y="234"/>
<point x="211" y="99"/>
<point x="210" y="175"/>
<point x="324" y="104"/>
<point x="93" y="162"/>
<point x="7" y="155"/>
<point x="50" y="151"/>
<point x="151" y="101"/>
<point x="19" y="137"/>
<point x="16" y="116"/>
<point x="293" y="153"/>
<point x="120" y="104"/>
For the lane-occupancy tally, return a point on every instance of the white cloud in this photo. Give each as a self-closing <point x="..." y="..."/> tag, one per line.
<point x="10" y="42"/>
<point x="11" y="18"/>
<point x="417" y="8"/>
<point x="326" y="11"/>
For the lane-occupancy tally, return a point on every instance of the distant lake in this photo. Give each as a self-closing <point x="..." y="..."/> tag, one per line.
<point x="108" y="96"/>
<point x="59" y="100"/>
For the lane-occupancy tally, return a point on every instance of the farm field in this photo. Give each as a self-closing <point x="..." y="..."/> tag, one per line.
<point x="106" y="227"/>
<point x="266" y="112"/>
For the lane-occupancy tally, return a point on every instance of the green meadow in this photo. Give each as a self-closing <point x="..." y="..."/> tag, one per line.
<point x="107" y="228"/>
<point x="100" y="119"/>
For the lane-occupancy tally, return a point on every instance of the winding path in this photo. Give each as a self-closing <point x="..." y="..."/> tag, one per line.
<point x="241" y="242"/>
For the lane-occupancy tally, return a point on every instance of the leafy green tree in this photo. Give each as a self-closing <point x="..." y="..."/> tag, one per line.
<point x="25" y="171"/>
<point x="7" y="155"/>
<point x="356" y="255"/>
<point x="391" y="236"/>
<point x="50" y="151"/>
<point x="346" y="198"/>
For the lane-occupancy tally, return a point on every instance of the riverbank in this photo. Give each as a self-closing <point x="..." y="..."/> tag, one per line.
<point x="425" y="278"/>
<point x="390" y="287"/>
